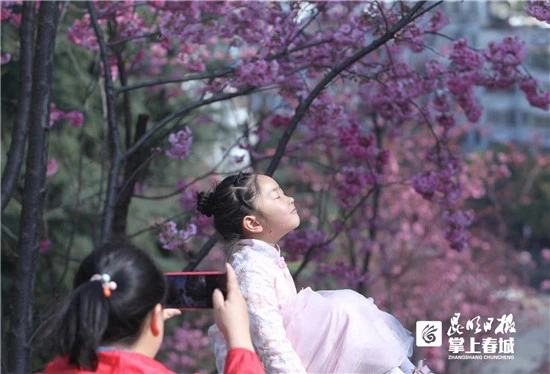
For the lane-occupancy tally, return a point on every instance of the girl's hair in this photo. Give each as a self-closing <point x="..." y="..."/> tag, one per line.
<point x="229" y="202"/>
<point x="88" y="319"/>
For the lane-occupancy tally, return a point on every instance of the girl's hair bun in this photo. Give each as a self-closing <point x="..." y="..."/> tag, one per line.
<point x="205" y="203"/>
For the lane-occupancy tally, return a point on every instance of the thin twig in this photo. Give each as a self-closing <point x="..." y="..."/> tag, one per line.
<point x="310" y="250"/>
<point x="190" y="77"/>
<point x="186" y="110"/>
<point x="122" y="41"/>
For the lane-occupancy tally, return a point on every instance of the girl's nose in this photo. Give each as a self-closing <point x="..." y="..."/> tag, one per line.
<point x="292" y="200"/>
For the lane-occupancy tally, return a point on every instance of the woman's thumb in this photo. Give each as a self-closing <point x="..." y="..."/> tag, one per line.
<point x="217" y="299"/>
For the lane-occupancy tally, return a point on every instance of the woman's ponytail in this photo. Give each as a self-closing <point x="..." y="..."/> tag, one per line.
<point x="81" y="323"/>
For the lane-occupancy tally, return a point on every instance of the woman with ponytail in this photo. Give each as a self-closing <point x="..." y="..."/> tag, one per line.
<point x="113" y="320"/>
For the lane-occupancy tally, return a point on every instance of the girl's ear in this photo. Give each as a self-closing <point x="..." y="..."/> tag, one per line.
<point x="157" y="320"/>
<point x="252" y="225"/>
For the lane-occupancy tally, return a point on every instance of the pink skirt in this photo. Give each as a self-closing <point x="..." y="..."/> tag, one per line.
<point x="344" y="332"/>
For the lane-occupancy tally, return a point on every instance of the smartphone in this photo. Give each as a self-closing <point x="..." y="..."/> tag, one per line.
<point x="193" y="290"/>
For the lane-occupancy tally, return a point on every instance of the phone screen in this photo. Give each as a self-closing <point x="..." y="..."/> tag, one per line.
<point x="193" y="290"/>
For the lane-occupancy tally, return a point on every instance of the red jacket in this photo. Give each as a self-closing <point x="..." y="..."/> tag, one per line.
<point x="238" y="361"/>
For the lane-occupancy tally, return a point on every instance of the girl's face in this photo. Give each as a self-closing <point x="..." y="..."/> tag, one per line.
<point x="278" y="215"/>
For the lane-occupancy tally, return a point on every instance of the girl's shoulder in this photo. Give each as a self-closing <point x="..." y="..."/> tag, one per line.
<point x="247" y="260"/>
<point x="246" y="256"/>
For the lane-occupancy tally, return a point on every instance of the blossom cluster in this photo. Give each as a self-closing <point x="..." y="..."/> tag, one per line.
<point x="540" y="9"/>
<point x="171" y="238"/>
<point x="297" y="243"/>
<point x="75" y="118"/>
<point x="181" y="144"/>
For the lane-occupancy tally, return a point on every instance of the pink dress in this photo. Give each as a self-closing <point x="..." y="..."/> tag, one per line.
<point x="314" y="332"/>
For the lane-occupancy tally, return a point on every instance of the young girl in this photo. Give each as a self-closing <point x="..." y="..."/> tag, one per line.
<point x="113" y="320"/>
<point x="315" y="332"/>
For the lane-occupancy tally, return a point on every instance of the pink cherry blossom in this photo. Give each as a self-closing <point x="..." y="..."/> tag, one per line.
<point x="52" y="168"/>
<point x="5" y="13"/>
<point x="55" y="114"/>
<point x="5" y="58"/>
<point x="181" y="144"/>
<point x="171" y="238"/>
<point x="76" y="118"/>
<point x="424" y="184"/>
<point x="45" y="245"/>
<point x="534" y="94"/>
<point x="297" y="243"/>
<point x="15" y="20"/>
<point x="463" y="55"/>
<point x="188" y="345"/>
<point x="540" y="9"/>
<point x="437" y="21"/>
<point x="347" y="276"/>
<point x="81" y="33"/>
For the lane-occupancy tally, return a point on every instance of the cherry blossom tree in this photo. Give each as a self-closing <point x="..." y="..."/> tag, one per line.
<point x="350" y="104"/>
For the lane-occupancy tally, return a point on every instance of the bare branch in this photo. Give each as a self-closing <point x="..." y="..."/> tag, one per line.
<point x="117" y="155"/>
<point x="16" y="153"/>
<point x="122" y="41"/>
<point x="184" y="111"/>
<point x="203" y="252"/>
<point x="205" y="175"/>
<point x="375" y="207"/>
<point x="130" y="172"/>
<point x="190" y="77"/>
<point x="311" y="249"/>
<point x="125" y="100"/>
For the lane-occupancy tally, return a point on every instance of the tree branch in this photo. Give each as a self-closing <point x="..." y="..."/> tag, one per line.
<point x="16" y="153"/>
<point x="122" y="41"/>
<point x="184" y="111"/>
<point x="125" y="100"/>
<point x="375" y="206"/>
<point x="190" y="77"/>
<point x="130" y="177"/>
<point x="309" y="252"/>
<point x="35" y="179"/>
<point x="305" y="104"/>
<point x="117" y="156"/>
<point x="203" y="176"/>
<point x="192" y="265"/>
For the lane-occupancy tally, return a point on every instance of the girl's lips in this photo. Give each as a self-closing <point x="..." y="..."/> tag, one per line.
<point x="294" y="211"/>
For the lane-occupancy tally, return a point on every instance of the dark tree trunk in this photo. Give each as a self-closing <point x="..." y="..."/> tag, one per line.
<point x="16" y="153"/>
<point x="33" y="196"/>
<point x="131" y="175"/>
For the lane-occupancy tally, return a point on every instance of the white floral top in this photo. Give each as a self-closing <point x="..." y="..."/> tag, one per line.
<point x="267" y="285"/>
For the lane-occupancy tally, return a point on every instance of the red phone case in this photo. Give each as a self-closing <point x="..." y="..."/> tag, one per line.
<point x="195" y="273"/>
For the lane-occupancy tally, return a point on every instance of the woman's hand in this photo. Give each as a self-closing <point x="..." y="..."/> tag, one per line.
<point x="231" y="315"/>
<point x="168" y="313"/>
